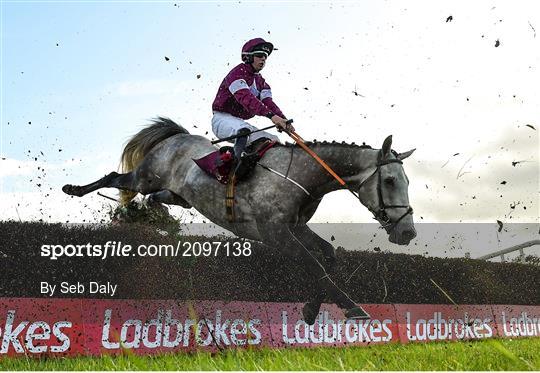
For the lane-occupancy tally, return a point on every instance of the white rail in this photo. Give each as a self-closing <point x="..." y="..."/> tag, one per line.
<point x="519" y="247"/>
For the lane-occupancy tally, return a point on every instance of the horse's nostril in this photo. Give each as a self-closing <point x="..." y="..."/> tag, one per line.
<point x="409" y="234"/>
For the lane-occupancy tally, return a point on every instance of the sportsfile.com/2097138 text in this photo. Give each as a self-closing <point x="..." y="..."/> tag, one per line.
<point x="118" y="249"/>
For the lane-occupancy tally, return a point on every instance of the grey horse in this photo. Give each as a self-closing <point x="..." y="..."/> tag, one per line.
<point x="275" y="203"/>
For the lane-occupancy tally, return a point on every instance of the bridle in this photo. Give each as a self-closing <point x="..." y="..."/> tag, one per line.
<point x="380" y="213"/>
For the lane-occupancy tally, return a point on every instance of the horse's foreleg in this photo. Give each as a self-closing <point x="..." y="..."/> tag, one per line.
<point x="304" y="234"/>
<point x="281" y="235"/>
<point x="112" y="180"/>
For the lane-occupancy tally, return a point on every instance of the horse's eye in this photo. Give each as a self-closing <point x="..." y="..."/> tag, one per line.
<point x="389" y="181"/>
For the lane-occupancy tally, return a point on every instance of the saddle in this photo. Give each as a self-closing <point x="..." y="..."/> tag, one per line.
<point x="220" y="164"/>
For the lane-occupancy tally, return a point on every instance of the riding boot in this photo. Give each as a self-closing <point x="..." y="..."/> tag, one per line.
<point x="242" y="159"/>
<point x="241" y="142"/>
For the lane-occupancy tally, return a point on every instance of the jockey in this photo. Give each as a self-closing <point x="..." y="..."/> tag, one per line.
<point x="243" y="94"/>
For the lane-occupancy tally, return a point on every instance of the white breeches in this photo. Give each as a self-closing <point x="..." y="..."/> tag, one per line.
<point x="225" y="125"/>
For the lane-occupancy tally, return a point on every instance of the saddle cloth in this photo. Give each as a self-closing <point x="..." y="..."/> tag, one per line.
<point x="219" y="163"/>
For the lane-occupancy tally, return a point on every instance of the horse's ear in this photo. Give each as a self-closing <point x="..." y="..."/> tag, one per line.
<point x="402" y="156"/>
<point x="387" y="145"/>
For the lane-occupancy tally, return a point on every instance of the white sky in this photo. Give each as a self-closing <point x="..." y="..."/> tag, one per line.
<point x="441" y="87"/>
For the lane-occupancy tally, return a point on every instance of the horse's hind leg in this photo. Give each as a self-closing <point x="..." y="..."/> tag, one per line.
<point x="169" y="198"/>
<point x="112" y="180"/>
<point x="281" y="235"/>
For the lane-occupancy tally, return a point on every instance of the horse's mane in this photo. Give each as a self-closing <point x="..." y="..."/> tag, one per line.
<point x="339" y="144"/>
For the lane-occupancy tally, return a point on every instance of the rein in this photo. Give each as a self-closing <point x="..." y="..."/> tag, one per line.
<point x="379" y="214"/>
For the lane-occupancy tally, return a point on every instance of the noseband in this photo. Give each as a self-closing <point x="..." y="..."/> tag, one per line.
<point x="380" y="214"/>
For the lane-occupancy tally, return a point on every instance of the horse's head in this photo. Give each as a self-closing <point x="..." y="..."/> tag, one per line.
<point x="384" y="193"/>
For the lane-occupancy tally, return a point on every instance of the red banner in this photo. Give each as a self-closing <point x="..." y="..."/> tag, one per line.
<point x="33" y="327"/>
<point x="330" y="328"/>
<point x="517" y="321"/>
<point x="432" y="322"/>
<point x="41" y="326"/>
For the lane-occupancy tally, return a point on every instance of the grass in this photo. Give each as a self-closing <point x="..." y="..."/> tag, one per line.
<point x="493" y="354"/>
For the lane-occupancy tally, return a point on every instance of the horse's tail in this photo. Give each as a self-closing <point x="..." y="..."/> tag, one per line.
<point x="141" y="143"/>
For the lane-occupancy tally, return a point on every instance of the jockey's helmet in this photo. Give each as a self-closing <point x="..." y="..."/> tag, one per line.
<point x="254" y="46"/>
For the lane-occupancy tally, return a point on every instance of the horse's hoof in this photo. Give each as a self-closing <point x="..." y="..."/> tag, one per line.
<point x="357" y="313"/>
<point x="310" y="312"/>
<point x="72" y="190"/>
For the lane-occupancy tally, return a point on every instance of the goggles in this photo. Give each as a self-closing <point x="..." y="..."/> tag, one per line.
<point x="259" y="54"/>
